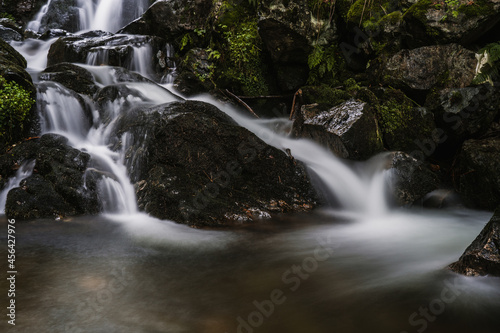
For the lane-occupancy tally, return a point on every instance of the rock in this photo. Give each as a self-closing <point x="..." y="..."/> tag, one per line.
<point x="288" y="30"/>
<point x="464" y="113"/>
<point x="54" y="33"/>
<point x="477" y="174"/>
<point x="411" y="179"/>
<point x="421" y="69"/>
<point x="403" y="126"/>
<point x="297" y="17"/>
<point x="464" y="22"/>
<point x="196" y="68"/>
<point x="482" y="257"/>
<point x="113" y="50"/>
<point x="72" y="77"/>
<point x="9" y="34"/>
<point x="349" y="130"/>
<point x="193" y="164"/>
<point x="171" y="19"/>
<point x="59" y="185"/>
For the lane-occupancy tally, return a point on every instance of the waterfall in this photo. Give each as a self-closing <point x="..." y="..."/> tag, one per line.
<point x="35" y="24"/>
<point x="24" y="171"/>
<point x="66" y="113"/>
<point x="107" y="15"/>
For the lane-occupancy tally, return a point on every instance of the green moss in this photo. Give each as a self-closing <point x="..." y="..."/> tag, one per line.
<point x="15" y="104"/>
<point x="477" y="8"/>
<point x="419" y="9"/>
<point x="324" y="95"/>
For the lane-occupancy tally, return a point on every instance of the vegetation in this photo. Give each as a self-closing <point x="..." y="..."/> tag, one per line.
<point x="15" y="104"/>
<point x="489" y="56"/>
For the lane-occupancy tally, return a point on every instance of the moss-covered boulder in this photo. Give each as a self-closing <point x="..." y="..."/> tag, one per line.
<point x="17" y="100"/>
<point x="477" y="175"/>
<point x="441" y="22"/>
<point x="349" y="130"/>
<point x="482" y="257"/>
<point x="193" y="164"/>
<point x="59" y="185"/>
<point x="403" y="125"/>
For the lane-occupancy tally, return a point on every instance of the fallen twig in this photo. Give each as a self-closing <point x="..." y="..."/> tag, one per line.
<point x="242" y="103"/>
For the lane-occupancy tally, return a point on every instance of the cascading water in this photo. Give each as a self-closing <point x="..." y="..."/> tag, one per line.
<point x="24" y="171"/>
<point x="35" y="24"/>
<point x="384" y="264"/>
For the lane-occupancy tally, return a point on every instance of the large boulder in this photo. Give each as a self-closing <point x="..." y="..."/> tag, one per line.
<point x="403" y="125"/>
<point x="482" y="257"/>
<point x="193" y="164"/>
<point x="477" y="174"/>
<point x="349" y="130"/>
<point x="462" y="21"/>
<point x="419" y="70"/>
<point x="59" y="185"/>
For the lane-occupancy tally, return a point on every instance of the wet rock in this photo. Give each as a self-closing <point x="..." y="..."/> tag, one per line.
<point x="421" y="69"/>
<point x="411" y="179"/>
<point x="465" y="112"/>
<point x="349" y="130"/>
<point x="477" y="174"/>
<point x="7" y="33"/>
<point x="171" y="19"/>
<point x="113" y="50"/>
<point x="193" y="164"/>
<point x="482" y="257"/>
<point x="72" y="77"/>
<point x="463" y="21"/>
<point x="54" y="33"/>
<point x="58" y="186"/>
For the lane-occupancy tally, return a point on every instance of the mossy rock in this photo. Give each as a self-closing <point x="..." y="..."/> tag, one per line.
<point x="404" y="126"/>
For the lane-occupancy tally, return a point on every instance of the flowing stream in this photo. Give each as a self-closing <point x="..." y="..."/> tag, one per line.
<point x="364" y="267"/>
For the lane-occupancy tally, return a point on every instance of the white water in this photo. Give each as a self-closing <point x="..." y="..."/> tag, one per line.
<point x="35" y="24"/>
<point x="24" y="171"/>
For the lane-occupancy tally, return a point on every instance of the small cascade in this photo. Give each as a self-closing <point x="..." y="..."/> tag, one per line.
<point x="98" y="56"/>
<point x="35" y="24"/>
<point x="23" y="172"/>
<point x="109" y="15"/>
<point x="170" y="65"/>
<point x="141" y="60"/>
<point x="62" y="112"/>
